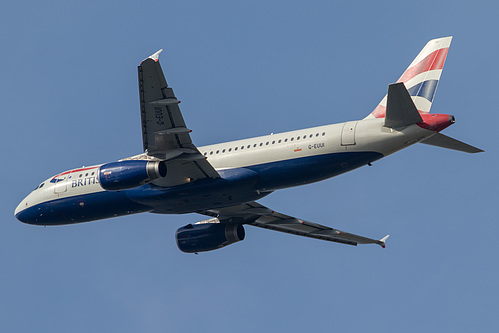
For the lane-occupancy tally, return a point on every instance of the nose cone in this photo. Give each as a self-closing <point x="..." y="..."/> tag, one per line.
<point x="26" y="213"/>
<point x="20" y="212"/>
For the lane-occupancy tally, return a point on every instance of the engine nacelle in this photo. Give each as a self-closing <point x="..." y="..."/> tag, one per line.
<point x="123" y="175"/>
<point x="208" y="235"/>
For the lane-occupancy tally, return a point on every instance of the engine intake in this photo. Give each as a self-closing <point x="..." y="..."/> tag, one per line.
<point x="123" y="175"/>
<point x="208" y="235"/>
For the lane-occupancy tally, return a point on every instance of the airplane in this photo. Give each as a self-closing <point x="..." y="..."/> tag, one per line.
<point x="223" y="181"/>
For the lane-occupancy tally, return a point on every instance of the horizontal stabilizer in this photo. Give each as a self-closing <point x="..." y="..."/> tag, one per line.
<point x="444" y="141"/>
<point x="400" y="109"/>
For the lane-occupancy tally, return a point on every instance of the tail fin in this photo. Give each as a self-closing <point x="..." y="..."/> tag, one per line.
<point x="422" y="76"/>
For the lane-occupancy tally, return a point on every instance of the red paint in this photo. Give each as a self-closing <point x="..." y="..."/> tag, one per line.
<point x="76" y="170"/>
<point x="380" y="111"/>
<point x="436" y="122"/>
<point x="433" y="61"/>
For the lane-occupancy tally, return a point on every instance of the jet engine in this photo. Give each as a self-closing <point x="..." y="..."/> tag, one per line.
<point x="123" y="175"/>
<point x="208" y="235"/>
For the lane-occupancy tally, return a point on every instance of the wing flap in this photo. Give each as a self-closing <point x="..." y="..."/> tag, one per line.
<point x="166" y="101"/>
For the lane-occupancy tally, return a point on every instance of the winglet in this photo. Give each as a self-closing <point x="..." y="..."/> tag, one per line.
<point x="154" y="56"/>
<point x="383" y="240"/>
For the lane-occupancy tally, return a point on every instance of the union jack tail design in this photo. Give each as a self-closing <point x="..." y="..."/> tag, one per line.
<point x="422" y="76"/>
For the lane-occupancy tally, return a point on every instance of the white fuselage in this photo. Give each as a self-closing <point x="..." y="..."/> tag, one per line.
<point x="354" y="136"/>
<point x="277" y="160"/>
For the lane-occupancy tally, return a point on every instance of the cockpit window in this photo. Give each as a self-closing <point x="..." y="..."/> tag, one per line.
<point x="39" y="186"/>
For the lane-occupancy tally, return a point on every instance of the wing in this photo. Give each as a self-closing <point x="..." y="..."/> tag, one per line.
<point x="164" y="132"/>
<point x="260" y="216"/>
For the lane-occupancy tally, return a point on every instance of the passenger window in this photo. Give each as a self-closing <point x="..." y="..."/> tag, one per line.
<point x="279" y="141"/>
<point x="211" y="153"/>
<point x="323" y="133"/>
<point x="223" y="151"/>
<point x="267" y="143"/>
<point x="311" y="135"/>
<point x="273" y="142"/>
<point x="218" y="151"/>
<point x="261" y="144"/>
<point x="317" y="134"/>
<point x="254" y="145"/>
<point x="286" y="140"/>
<point x="235" y="149"/>
<point x="298" y="138"/>
<point x="230" y="149"/>
<point x="292" y="139"/>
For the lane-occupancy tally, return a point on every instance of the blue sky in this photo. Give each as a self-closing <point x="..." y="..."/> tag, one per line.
<point x="69" y="98"/>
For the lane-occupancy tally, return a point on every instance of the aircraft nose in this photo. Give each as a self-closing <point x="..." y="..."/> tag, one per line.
<point x="23" y="213"/>
<point x="18" y="212"/>
<point x="19" y="208"/>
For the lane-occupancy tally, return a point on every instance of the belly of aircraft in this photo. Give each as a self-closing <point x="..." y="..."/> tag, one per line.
<point x="306" y="170"/>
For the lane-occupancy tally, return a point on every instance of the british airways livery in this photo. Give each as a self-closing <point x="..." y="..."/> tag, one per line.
<point x="223" y="181"/>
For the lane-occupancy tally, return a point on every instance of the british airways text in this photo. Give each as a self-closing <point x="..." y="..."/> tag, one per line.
<point x="84" y="181"/>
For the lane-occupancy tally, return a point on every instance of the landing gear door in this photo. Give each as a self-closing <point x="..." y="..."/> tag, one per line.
<point x="348" y="133"/>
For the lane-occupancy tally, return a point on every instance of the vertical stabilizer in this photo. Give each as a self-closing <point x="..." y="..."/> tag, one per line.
<point x="421" y="77"/>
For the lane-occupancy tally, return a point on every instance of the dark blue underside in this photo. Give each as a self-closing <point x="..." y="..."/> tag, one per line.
<point x="234" y="187"/>
<point x="81" y="208"/>
<point x="306" y="170"/>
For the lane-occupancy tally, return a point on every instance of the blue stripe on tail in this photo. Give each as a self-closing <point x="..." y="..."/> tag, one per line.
<point x="425" y="89"/>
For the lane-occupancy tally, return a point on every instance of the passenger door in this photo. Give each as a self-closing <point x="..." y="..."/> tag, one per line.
<point x="348" y="133"/>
